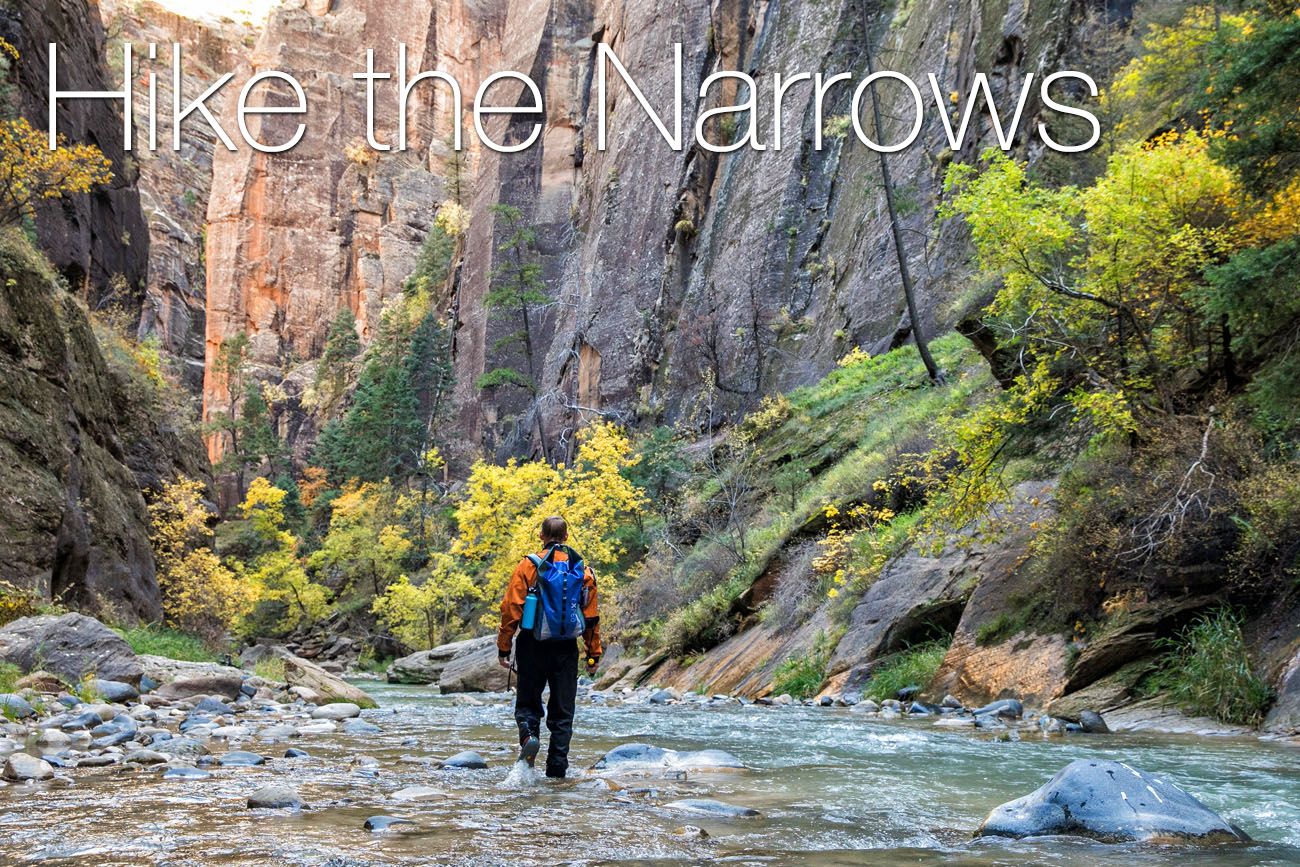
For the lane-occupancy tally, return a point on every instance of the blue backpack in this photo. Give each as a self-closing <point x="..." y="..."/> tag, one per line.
<point x="561" y="594"/>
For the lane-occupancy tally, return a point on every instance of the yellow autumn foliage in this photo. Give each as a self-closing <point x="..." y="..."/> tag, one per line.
<point x="30" y="172"/>
<point x="504" y="506"/>
<point x="200" y="594"/>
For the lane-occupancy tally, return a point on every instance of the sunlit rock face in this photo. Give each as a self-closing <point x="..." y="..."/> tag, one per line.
<point x="671" y="270"/>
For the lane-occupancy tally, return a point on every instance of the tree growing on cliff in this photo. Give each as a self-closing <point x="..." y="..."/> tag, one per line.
<point x="517" y="294"/>
<point x="31" y="173"/>
<point x="334" y="367"/>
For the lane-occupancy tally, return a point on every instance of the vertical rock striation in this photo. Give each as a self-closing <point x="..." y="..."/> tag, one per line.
<point x="670" y="271"/>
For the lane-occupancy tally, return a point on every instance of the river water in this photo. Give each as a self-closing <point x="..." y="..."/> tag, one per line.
<point x="833" y="788"/>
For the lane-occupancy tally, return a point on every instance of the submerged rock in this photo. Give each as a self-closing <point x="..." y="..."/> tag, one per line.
<point x="650" y="757"/>
<point x="241" y="759"/>
<point x="383" y="823"/>
<point x="275" y="798"/>
<point x="468" y="760"/>
<point x="416" y="793"/>
<point x="293" y="753"/>
<point x="710" y="807"/>
<point x="1111" y="802"/>
<point x="185" y="773"/>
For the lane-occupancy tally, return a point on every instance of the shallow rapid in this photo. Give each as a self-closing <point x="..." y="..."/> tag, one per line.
<point x="831" y="787"/>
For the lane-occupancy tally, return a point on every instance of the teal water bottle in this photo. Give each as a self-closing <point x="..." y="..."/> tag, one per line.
<point x="529" y="620"/>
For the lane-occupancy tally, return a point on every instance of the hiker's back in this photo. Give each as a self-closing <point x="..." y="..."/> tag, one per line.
<point x="560" y="590"/>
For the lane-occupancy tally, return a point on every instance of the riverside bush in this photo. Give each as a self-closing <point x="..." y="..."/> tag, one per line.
<point x="1207" y="671"/>
<point x="803" y="675"/>
<point x="160" y="641"/>
<point x="915" y="666"/>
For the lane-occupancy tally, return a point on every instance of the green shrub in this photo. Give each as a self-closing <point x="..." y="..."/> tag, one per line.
<point x="1207" y="671"/>
<point x="161" y="641"/>
<point x="803" y="675"/>
<point x="9" y="675"/>
<point x="915" y="666"/>
<point x="703" y="623"/>
<point x="270" y="669"/>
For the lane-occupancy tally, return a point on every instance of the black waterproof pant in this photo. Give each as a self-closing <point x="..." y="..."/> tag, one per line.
<point x="542" y="664"/>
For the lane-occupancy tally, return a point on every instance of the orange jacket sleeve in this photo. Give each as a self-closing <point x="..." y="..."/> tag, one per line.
<point x="591" y="614"/>
<point x="512" y="605"/>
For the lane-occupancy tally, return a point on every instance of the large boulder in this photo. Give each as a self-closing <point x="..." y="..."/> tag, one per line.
<point x="71" y="646"/>
<point x="426" y="666"/>
<point x="329" y="687"/>
<point x="164" y="670"/>
<point x="226" y="685"/>
<point x="474" y="670"/>
<point x="1112" y="802"/>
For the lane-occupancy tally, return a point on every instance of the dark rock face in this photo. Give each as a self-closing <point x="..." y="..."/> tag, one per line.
<point x="1111" y="802"/>
<point x="70" y="645"/>
<point x="97" y="240"/>
<point x="80" y="445"/>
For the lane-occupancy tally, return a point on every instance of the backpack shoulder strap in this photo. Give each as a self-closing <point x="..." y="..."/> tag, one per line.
<point x="538" y="563"/>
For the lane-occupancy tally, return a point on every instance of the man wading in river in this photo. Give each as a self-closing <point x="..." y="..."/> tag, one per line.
<point x="550" y="601"/>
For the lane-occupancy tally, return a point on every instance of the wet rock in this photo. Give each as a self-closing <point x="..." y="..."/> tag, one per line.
<point x="383" y="823"/>
<point x="1006" y="708"/>
<point x="661" y="696"/>
<point x="231" y="732"/>
<point x="53" y="738"/>
<point x="187" y="747"/>
<point x="211" y="705"/>
<point x="1112" y="802"/>
<point x="310" y="696"/>
<point x="336" y="711"/>
<point x="320" y="727"/>
<point x="361" y="727"/>
<point x="278" y="732"/>
<point x="650" y="757"/>
<point x="988" y="721"/>
<point x="102" y="760"/>
<point x="691" y="832"/>
<point x="69" y="645"/>
<point x="145" y="757"/>
<point x="783" y="700"/>
<point x="241" y="759"/>
<point x="825" y="701"/>
<point x="275" y="797"/>
<point x="416" y="793"/>
<point x="111" y="740"/>
<point x="186" y="773"/>
<point x="468" y="760"/>
<point x="950" y="701"/>
<point x="114" y="690"/>
<point x="1092" y="723"/>
<point x="15" y="706"/>
<point x="21" y="767"/>
<point x="710" y="807"/>
<point x="293" y="753"/>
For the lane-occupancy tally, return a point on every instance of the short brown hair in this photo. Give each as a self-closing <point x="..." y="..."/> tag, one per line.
<point x="555" y="529"/>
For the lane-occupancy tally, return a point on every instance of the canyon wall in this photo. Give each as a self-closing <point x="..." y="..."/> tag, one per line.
<point x="669" y="271"/>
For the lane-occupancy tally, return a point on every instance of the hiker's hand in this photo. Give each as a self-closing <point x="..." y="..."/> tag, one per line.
<point x="592" y="665"/>
<point x="503" y="661"/>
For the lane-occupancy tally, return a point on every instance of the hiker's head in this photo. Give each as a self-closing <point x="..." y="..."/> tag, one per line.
<point x="554" y="530"/>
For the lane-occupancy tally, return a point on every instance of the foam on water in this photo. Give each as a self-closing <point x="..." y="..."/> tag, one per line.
<point x="520" y="777"/>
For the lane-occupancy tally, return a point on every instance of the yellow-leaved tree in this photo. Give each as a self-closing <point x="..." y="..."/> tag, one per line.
<point x="366" y="543"/>
<point x="504" y="506"/>
<point x="200" y="595"/>
<point x="30" y="172"/>
<point x="276" y="571"/>
<point x="426" y="614"/>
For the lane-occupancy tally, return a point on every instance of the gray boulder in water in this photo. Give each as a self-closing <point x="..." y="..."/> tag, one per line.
<point x="468" y="760"/>
<point x="1111" y="802"/>
<point x="647" y="757"/>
